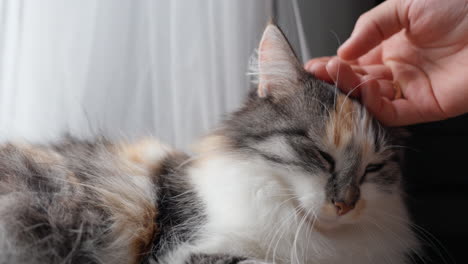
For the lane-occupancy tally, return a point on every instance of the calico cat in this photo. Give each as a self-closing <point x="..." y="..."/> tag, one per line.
<point x="300" y="174"/>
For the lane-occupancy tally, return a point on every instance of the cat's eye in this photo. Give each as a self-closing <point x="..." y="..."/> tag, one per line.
<point x="329" y="159"/>
<point x="369" y="169"/>
<point x="374" y="167"/>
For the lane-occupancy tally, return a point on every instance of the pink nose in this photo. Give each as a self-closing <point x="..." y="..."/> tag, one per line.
<point x="343" y="208"/>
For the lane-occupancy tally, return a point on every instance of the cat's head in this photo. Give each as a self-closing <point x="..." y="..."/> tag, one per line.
<point x="337" y="160"/>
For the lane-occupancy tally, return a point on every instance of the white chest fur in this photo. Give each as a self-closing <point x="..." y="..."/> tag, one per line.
<point x="252" y="213"/>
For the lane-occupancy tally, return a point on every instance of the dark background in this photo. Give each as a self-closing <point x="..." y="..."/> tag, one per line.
<point x="437" y="186"/>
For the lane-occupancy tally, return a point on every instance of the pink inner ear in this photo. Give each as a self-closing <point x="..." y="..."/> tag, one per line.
<point x="276" y="64"/>
<point x="265" y="45"/>
<point x="262" y="57"/>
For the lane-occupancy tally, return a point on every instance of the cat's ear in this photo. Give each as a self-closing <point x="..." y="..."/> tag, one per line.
<point x="279" y="70"/>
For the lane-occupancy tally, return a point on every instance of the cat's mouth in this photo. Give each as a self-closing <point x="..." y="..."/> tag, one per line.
<point x="320" y="223"/>
<point x="320" y="220"/>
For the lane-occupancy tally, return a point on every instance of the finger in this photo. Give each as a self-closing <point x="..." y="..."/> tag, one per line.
<point x="391" y="113"/>
<point x="380" y="71"/>
<point x="373" y="27"/>
<point x="386" y="89"/>
<point x="415" y="85"/>
<point x="344" y="76"/>
<point x="319" y="70"/>
<point x="374" y="56"/>
<point x="358" y="70"/>
<point x="316" y="60"/>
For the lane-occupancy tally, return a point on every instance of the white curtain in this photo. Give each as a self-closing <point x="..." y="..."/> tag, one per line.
<point x="124" y="68"/>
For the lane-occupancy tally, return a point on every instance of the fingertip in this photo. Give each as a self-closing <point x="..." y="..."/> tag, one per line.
<point x="318" y="69"/>
<point x="332" y="63"/>
<point x="308" y="65"/>
<point x="346" y="50"/>
<point x="373" y="27"/>
<point x="357" y="45"/>
<point x="316" y="63"/>
<point x="336" y="67"/>
<point x="312" y="67"/>
<point x="344" y="76"/>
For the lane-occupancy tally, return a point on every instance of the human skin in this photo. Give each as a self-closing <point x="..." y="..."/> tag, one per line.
<point x="418" y="46"/>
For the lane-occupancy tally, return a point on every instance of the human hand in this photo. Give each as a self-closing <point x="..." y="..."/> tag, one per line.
<point x="420" y="47"/>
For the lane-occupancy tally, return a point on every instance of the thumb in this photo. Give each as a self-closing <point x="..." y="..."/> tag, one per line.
<point x="375" y="26"/>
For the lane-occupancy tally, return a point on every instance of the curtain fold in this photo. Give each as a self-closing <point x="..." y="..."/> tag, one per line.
<point x="124" y="68"/>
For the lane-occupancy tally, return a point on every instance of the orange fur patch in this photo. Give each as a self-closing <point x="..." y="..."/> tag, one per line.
<point x="134" y="220"/>
<point x="134" y="212"/>
<point x="209" y="147"/>
<point x="146" y="153"/>
<point x="344" y="121"/>
<point x="128" y="195"/>
<point x="211" y="143"/>
<point x="341" y="122"/>
<point x="141" y="243"/>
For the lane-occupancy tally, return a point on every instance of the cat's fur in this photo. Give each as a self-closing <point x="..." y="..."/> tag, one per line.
<point x="261" y="188"/>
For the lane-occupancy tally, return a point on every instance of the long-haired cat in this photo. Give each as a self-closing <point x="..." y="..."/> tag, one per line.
<point x="300" y="174"/>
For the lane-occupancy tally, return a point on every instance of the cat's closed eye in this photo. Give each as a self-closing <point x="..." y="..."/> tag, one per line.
<point x="370" y="169"/>
<point x="328" y="159"/>
<point x="374" y="167"/>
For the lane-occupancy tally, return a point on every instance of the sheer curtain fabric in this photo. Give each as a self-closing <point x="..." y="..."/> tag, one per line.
<point x="124" y="68"/>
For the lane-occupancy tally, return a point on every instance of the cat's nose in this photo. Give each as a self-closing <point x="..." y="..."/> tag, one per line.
<point x="342" y="207"/>
<point x="346" y="199"/>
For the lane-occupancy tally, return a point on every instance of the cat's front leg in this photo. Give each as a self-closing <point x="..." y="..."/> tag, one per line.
<point x="220" y="259"/>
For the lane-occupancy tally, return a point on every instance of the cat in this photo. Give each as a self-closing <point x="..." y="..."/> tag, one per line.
<point x="300" y="174"/>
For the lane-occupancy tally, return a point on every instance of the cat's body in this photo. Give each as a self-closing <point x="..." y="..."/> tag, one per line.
<point x="300" y="174"/>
